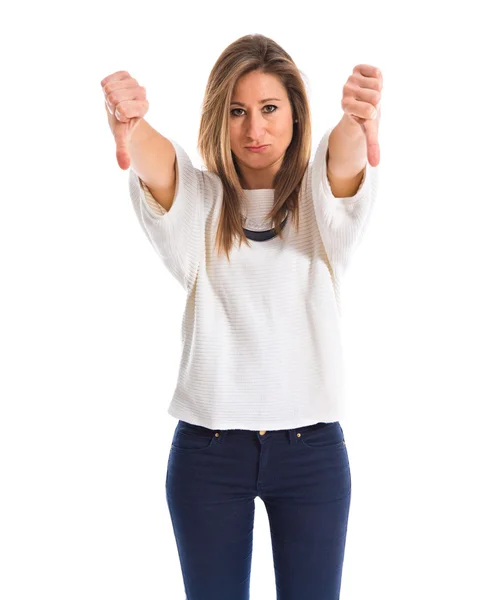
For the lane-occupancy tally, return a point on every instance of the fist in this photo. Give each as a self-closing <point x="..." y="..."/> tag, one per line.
<point x="361" y="103"/>
<point x="126" y="103"/>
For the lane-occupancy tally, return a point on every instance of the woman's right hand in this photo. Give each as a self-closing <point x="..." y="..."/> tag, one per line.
<point x="126" y="103"/>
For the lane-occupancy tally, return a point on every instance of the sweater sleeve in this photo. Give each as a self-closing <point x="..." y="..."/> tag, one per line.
<point x="341" y="221"/>
<point x="176" y="235"/>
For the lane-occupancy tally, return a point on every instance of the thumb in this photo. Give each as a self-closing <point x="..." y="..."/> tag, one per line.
<point x="371" y="127"/>
<point x="121" y="152"/>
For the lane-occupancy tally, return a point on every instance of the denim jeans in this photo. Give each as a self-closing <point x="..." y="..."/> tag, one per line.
<point x="303" y="477"/>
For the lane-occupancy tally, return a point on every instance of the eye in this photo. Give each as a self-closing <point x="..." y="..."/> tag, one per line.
<point x="266" y="106"/>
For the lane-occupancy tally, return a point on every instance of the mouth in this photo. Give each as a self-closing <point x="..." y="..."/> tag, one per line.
<point x="257" y="148"/>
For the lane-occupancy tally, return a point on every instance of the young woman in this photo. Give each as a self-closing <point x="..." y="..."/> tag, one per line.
<point x="259" y="240"/>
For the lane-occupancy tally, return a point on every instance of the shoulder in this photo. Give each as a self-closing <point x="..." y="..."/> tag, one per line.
<point x="211" y="189"/>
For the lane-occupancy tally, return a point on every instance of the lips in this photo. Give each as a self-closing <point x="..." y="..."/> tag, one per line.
<point x="257" y="149"/>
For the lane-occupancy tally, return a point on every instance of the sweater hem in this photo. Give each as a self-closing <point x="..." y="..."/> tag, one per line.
<point x="250" y="425"/>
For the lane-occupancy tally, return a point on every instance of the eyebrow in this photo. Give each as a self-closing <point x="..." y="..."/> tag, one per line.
<point x="261" y="101"/>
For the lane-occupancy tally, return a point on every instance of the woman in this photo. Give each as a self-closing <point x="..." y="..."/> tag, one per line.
<point x="259" y="240"/>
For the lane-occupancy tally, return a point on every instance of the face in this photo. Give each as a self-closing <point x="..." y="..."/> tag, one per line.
<point x="260" y="114"/>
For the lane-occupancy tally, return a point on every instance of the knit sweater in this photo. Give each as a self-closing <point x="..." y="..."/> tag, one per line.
<point x="261" y="342"/>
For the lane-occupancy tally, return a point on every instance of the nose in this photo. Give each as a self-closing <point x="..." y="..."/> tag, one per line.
<point x="255" y="126"/>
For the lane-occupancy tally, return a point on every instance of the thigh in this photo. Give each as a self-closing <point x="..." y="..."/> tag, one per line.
<point x="212" y="511"/>
<point x="308" y="514"/>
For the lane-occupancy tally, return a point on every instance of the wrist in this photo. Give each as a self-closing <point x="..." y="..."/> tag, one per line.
<point x="350" y="128"/>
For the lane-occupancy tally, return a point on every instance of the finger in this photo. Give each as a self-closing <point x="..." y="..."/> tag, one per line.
<point x="117" y="76"/>
<point x="128" y="91"/>
<point x="368" y="78"/>
<point x="365" y="93"/>
<point x="129" y="109"/>
<point x="366" y="83"/>
<point x="367" y="71"/>
<point x="358" y="108"/>
<point x="117" y="87"/>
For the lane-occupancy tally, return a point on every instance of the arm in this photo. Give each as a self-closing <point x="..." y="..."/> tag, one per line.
<point x="177" y="234"/>
<point x="341" y="219"/>
<point x="153" y="160"/>
<point x="346" y="158"/>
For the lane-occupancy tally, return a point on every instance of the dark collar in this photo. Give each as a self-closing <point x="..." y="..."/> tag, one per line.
<point x="263" y="236"/>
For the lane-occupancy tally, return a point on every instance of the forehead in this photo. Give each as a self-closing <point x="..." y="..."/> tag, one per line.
<point x="256" y="85"/>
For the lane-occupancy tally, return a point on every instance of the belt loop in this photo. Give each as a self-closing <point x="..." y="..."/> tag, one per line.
<point x="292" y="434"/>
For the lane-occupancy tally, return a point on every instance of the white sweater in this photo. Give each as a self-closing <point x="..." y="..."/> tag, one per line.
<point x="261" y="345"/>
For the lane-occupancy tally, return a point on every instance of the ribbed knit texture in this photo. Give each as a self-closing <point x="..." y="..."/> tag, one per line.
<point x="261" y="345"/>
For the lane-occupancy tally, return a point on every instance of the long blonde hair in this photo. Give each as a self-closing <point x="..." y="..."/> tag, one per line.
<point x="253" y="52"/>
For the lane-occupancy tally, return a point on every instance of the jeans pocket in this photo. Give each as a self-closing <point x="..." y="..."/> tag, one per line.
<point x="323" y="435"/>
<point x="192" y="438"/>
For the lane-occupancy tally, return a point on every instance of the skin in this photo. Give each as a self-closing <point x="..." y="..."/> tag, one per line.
<point x="258" y="123"/>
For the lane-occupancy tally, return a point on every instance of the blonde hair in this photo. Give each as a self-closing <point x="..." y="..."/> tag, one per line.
<point x="253" y="52"/>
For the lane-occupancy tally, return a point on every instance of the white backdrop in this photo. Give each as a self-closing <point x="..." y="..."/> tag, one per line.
<point x="90" y="319"/>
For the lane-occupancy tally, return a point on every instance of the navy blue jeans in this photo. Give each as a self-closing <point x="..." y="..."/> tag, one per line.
<point x="302" y="475"/>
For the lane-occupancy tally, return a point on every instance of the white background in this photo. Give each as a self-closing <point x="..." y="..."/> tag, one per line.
<point x="90" y="319"/>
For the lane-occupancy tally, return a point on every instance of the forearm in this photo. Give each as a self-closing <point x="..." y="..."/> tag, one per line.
<point x="347" y="150"/>
<point x="152" y="156"/>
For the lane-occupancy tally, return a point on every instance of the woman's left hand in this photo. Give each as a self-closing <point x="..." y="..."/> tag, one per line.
<point x="361" y="103"/>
